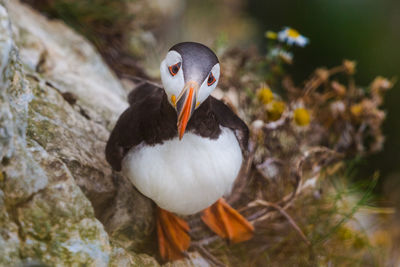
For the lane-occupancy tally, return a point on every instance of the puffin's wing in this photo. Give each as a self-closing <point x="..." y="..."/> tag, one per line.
<point x="144" y="91"/>
<point x="128" y="131"/>
<point x="227" y="118"/>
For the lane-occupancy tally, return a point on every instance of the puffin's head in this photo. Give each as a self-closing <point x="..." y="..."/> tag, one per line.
<point x="189" y="73"/>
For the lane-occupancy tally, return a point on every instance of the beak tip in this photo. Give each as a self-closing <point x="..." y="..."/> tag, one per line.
<point x="181" y="134"/>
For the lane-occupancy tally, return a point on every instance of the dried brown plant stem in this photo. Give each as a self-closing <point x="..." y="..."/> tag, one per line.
<point x="320" y="77"/>
<point x="205" y="253"/>
<point x="284" y="213"/>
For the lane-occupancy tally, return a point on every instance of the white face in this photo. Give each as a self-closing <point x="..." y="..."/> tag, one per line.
<point x="173" y="79"/>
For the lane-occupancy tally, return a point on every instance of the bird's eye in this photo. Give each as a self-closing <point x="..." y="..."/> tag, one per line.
<point x="173" y="69"/>
<point x="211" y="79"/>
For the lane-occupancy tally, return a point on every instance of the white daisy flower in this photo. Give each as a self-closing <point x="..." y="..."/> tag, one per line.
<point x="291" y="37"/>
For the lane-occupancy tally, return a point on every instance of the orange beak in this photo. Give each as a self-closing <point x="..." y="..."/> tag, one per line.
<point x="186" y="105"/>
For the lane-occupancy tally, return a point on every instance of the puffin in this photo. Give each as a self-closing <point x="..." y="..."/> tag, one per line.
<point x="183" y="149"/>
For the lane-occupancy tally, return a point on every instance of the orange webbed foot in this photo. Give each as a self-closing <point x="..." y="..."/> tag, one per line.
<point x="173" y="237"/>
<point x="227" y="222"/>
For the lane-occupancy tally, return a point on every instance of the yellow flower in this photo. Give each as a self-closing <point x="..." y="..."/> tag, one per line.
<point x="275" y="110"/>
<point x="344" y="233"/>
<point x="291" y="37"/>
<point x="301" y="116"/>
<point x="271" y="35"/>
<point x="356" y="109"/>
<point x="265" y="94"/>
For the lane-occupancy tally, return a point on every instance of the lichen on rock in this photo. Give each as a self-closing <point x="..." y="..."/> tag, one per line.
<point x="60" y="202"/>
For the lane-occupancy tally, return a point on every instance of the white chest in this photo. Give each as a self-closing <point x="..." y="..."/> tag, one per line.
<point x="185" y="176"/>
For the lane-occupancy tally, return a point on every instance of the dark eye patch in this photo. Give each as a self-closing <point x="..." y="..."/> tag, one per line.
<point x="173" y="69"/>
<point x="211" y="79"/>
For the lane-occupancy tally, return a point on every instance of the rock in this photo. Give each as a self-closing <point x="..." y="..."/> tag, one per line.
<point x="129" y="218"/>
<point x="57" y="224"/>
<point x="68" y="62"/>
<point x="194" y="259"/>
<point x="60" y="202"/>
<point x="20" y="175"/>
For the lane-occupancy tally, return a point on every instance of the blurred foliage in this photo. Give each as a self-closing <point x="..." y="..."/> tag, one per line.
<point x="98" y="20"/>
<point x="365" y="31"/>
<point x="304" y="139"/>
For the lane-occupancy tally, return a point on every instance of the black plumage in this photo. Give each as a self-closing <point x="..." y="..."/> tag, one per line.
<point x="151" y="119"/>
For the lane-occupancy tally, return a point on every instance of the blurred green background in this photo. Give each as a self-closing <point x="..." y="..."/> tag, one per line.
<point x="367" y="31"/>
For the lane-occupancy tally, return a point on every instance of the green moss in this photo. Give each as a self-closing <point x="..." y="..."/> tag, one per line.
<point x="37" y="90"/>
<point x="2" y="178"/>
<point x="89" y="233"/>
<point x="46" y="109"/>
<point x="42" y="131"/>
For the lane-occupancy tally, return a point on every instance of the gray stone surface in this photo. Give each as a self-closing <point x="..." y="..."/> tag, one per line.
<point x="60" y="202"/>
